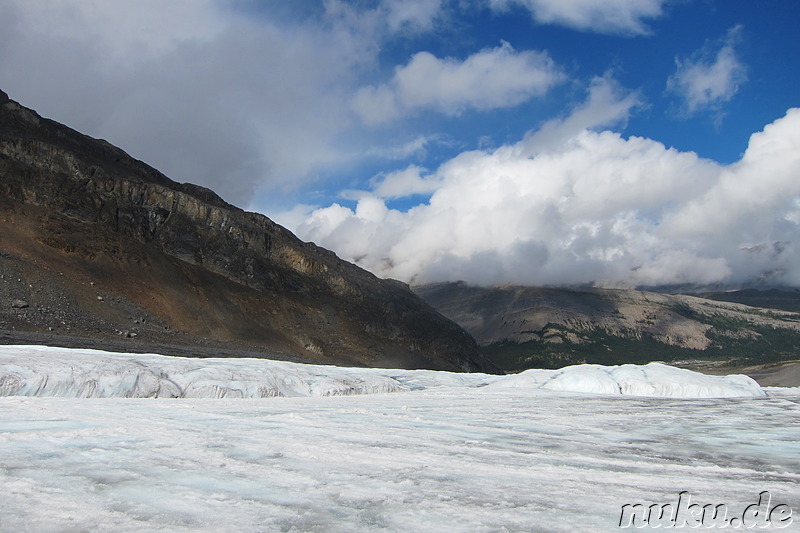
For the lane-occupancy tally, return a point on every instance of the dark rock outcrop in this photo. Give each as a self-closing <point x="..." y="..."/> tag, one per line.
<point x="82" y="217"/>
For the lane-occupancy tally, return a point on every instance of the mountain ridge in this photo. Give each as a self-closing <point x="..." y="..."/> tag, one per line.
<point x="522" y="327"/>
<point x="84" y="220"/>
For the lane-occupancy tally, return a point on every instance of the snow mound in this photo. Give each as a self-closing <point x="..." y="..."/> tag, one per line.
<point x="786" y="392"/>
<point x="653" y="379"/>
<point x="70" y="373"/>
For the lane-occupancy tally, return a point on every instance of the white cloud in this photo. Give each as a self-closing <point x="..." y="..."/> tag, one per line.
<point x="490" y="79"/>
<point x="583" y="206"/>
<point x="608" y="105"/>
<point x="753" y="198"/>
<point x="602" y="16"/>
<point x="406" y="182"/>
<point x="710" y="77"/>
<point x="416" y="147"/>
<point x="414" y="14"/>
<point x="387" y="16"/>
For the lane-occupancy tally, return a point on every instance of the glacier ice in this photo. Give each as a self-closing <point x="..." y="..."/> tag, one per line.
<point x="63" y="372"/>
<point x="444" y="453"/>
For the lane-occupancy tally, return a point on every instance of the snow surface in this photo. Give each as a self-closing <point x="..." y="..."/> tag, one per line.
<point x="63" y="372"/>
<point x="443" y="453"/>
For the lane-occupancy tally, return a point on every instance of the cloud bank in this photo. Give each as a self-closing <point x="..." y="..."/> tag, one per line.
<point x="575" y="203"/>
<point x="198" y="90"/>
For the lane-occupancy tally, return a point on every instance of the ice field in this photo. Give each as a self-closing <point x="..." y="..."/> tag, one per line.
<point x="44" y="371"/>
<point x="336" y="449"/>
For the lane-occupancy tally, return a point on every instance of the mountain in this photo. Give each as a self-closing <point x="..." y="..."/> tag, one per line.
<point x="541" y="327"/>
<point x="100" y="249"/>
<point x="785" y="298"/>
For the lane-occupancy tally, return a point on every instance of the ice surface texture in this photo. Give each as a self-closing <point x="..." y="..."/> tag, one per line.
<point x="440" y="460"/>
<point x="62" y="372"/>
<point x="449" y="453"/>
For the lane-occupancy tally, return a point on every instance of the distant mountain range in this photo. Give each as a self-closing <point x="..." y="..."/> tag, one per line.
<point x="786" y="298"/>
<point x="100" y="249"/>
<point x="535" y="327"/>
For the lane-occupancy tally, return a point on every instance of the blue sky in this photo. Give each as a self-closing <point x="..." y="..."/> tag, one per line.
<point x="496" y="141"/>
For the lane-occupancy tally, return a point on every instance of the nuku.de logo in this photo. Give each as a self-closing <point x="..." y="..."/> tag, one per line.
<point x="685" y="514"/>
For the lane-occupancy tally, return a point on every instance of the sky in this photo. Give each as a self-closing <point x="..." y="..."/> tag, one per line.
<point x="617" y="143"/>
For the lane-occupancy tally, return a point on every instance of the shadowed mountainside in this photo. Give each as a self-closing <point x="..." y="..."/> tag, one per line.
<point x="98" y="245"/>
<point x="786" y="298"/>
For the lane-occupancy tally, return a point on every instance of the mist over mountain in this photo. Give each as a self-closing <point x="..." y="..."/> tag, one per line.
<point x="95" y="244"/>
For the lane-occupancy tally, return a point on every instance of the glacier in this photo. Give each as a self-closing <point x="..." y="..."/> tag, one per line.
<point x="72" y="373"/>
<point x="332" y="449"/>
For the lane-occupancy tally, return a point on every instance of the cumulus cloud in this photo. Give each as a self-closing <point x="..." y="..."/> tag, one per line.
<point x="406" y="182"/>
<point x="586" y="206"/>
<point x="710" y="77"/>
<point x="490" y="79"/>
<point x="624" y="17"/>
<point x="608" y="105"/>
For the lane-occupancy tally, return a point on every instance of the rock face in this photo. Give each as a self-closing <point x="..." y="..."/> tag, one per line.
<point x="102" y="239"/>
<point x="534" y="327"/>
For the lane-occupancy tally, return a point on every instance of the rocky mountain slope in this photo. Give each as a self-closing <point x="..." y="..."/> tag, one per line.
<point x="97" y="245"/>
<point x="530" y="327"/>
